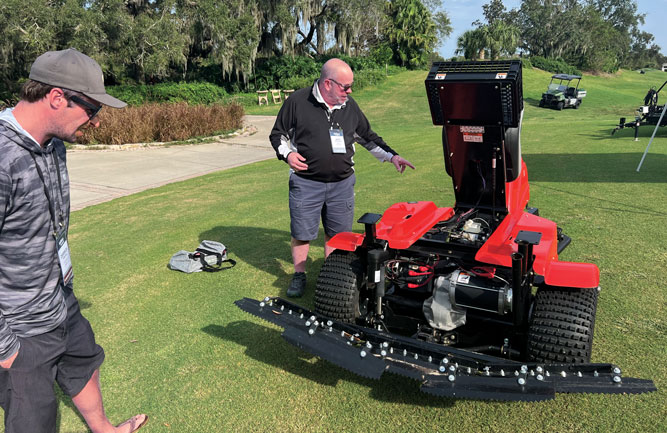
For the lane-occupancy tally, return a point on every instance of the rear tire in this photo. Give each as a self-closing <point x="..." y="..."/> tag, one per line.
<point x="561" y="326"/>
<point x="541" y="102"/>
<point x="340" y="281"/>
<point x="577" y="104"/>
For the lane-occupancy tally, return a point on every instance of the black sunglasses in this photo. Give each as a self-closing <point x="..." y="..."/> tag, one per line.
<point x="91" y="110"/>
<point x="345" y="87"/>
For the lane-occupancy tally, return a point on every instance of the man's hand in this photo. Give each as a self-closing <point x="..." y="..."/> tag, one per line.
<point x="400" y="163"/>
<point x="7" y="363"/>
<point x="297" y="162"/>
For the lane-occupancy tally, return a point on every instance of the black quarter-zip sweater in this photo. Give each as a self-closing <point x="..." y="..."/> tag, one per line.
<point x="303" y="124"/>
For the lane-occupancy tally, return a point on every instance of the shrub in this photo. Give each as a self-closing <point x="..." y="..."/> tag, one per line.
<point x="297" y="72"/>
<point x="394" y="69"/>
<point x="192" y="93"/>
<point x="297" y="82"/>
<point x="129" y="93"/>
<point x="163" y="122"/>
<point x="369" y="77"/>
<point x="356" y="63"/>
<point x="382" y="54"/>
<point x="270" y="73"/>
<point x="555" y="66"/>
<point x="526" y="63"/>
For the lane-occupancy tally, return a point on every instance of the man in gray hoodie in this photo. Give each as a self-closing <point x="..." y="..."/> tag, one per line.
<point x="43" y="336"/>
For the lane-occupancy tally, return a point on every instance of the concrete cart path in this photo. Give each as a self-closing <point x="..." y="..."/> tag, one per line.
<point x="97" y="176"/>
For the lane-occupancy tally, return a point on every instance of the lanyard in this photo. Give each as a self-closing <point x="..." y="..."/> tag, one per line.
<point x="52" y="208"/>
<point x="330" y="117"/>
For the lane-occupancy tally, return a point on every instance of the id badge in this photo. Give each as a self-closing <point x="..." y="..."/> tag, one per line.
<point x="64" y="257"/>
<point x="337" y="140"/>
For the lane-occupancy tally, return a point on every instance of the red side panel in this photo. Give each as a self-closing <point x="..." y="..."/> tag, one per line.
<point x="500" y="246"/>
<point x="404" y="223"/>
<point x="401" y="225"/>
<point x="346" y="241"/>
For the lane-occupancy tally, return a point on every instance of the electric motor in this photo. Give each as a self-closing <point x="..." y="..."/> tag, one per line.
<point x="467" y="290"/>
<point x="461" y="290"/>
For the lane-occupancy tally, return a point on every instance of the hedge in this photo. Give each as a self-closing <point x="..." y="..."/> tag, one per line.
<point x="192" y="93"/>
<point x="555" y="66"/>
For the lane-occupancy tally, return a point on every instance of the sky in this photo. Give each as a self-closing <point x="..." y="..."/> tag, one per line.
<point x="463" y="12"/>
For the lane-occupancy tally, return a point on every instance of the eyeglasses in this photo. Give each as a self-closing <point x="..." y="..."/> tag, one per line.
<point x="91" y="110"/>
<point x="345" y="87"/>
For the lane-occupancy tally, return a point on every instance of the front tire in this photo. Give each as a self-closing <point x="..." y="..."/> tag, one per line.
<point x="338" y="287"/>
<point x="560" y="105"/>
<point x="561" y="326"/>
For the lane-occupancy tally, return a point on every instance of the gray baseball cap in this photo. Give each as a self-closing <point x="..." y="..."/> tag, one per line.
<point x="73" y="70"/>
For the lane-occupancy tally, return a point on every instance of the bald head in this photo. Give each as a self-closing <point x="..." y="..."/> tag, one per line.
<point x="335" y="67"/>
<point x="335" y="82"/>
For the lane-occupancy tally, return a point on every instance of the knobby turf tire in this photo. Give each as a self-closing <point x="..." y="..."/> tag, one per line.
<point x="562" y="324"/>
<point x="338" y="285"/>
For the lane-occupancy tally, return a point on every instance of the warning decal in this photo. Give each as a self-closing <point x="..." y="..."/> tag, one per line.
<point x="472" y="134"/>
<point x="473" y="138"/>
<point x="472" y="129"/>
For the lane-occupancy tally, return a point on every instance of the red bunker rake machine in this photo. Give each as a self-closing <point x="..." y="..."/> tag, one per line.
<point x="470" y="300"/>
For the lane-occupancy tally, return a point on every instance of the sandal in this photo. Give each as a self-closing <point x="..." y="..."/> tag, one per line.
<point x="133" y="421"/>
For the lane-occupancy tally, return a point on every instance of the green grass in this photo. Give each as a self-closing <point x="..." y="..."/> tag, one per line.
<point x="178" y="349"/>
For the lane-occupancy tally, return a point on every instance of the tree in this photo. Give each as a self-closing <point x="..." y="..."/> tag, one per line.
<point x="552" y="28"/>
<point x="156" y="40"/>
<point x="224" y="33"/>
<point x="600" y="48"/>
<point x="643" y="52"/>
<point x="502" y="39"/>
<point x="28" y="30"/>
<point x="411" y="32"/>
<point x="499" y="36"/>
<point x="472" y="43"/>
<point x="443" y="25"/>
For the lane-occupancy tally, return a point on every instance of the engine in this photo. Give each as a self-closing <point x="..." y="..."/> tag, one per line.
<point x="444" y="288"/>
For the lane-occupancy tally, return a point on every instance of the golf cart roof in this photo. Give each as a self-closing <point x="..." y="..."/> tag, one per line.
<point x="566" y="77"/>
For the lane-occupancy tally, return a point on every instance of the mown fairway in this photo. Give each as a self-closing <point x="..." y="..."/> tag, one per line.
<point x="178" y="349"/>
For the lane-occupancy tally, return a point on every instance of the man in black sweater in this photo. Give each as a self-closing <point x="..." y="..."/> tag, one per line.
<point x="315" y="133"/>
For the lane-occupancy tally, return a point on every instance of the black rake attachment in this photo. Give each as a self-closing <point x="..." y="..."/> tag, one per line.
<point x="443" y="371"/>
